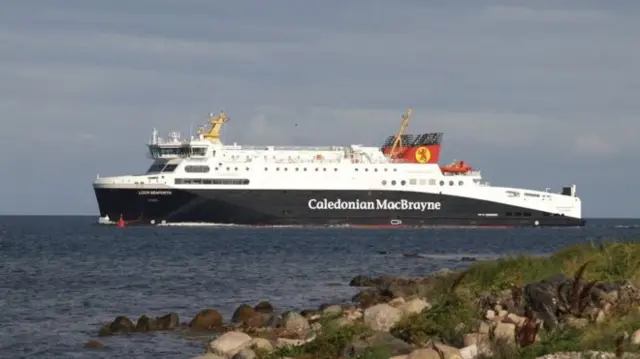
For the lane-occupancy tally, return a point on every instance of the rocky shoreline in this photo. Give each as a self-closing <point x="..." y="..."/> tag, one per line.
<point x="582" y="302"/>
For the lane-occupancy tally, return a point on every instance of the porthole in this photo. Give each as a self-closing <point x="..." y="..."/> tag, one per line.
<point x="450" y="183"/>
<point x="403" y="182"/>
<point x="384" y="182"/>
<point x="247" y="168"/>
<point x="393" y="183"/>
<point x="266" y="168"/>
<point x="297" y="169"/>
<point x="335" y="170"/>
<point x="442" y="183"/>
<point x="460" y="183"/>
<point x="277" y="168"/>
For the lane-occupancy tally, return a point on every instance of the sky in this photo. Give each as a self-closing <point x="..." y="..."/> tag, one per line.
<point x="535" y="94"/>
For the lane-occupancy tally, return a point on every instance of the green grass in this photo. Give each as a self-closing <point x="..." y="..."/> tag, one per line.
<point x="455" y="301"/>
<point x="610" y="262"/>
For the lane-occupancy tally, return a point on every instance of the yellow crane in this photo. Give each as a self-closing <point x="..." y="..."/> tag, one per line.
<point x="403" y="126"/>
<point x="216" y="122"/>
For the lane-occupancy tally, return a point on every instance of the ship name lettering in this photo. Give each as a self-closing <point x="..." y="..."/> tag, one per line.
<point x="154" y="193"/>
<point x="401" y="205"/>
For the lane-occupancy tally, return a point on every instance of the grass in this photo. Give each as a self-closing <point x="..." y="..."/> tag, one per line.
<point x="612" y="261"/>
<point x="456" y="311"/>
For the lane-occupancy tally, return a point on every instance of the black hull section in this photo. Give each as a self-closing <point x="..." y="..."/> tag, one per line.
<point x="293" y="208"/>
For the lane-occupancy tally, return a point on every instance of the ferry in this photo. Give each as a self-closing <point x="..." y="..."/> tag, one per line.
<point x="398" y="184"/>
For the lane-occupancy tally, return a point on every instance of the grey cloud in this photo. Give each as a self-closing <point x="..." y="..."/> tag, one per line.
<point x="547" y="89"/>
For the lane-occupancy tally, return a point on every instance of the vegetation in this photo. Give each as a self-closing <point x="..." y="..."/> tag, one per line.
<point x="457" y="311"/>
<point x="612" y="262"/>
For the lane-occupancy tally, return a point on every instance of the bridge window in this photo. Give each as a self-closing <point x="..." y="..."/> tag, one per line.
<point x="198" y="151"/>
<point x="170" y="168"/>
<point x="432" y="182"/>
<point x="156" y="167"/>
<point x="196" y="169"/>
<point x="413" y="181"/>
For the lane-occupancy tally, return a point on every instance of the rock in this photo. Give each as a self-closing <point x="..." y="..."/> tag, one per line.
<point x="396" y="346"/>
<point x="308" y="313"/>
<point x="369" y="297"/>
<point x="247" y="316"/>
<point x="245" y="353"/>
<point x="264" y="308"/>
<point x="414" y="306"/>
<point x="295" y="323"/>
<point x="146" y="324"/>
<point x="490" y="315"/>
<point x="242" y="314"/>
<point x="396" y="302"/>
<point x="469" y="352"/>
<point x="502" y="313"/>
<point x="168" y="322"/>
<point x="429" y="353"/>
<point x="515" y="319"/>
<point x="209" y="356"/>
<point x="207" y="319"/>
<point x="332" y="310"/>
<point x="93" y="344"/>
<point x="382" y="317"/>
<point x="484" y="328"/>
<point x="635" y="337"/>
<point x="261" y="345"/>
<point x="286" y="342"/>
<point x="505" y="331"/>
<point x="121" y="324"/>
<point x="229" y="343"/>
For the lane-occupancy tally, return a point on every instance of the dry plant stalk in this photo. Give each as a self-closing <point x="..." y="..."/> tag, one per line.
<point x="619" y="346"/>
<point x="526" y="335"/>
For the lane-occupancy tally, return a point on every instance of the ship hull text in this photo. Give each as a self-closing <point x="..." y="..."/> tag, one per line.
<point x="317" y="208"/>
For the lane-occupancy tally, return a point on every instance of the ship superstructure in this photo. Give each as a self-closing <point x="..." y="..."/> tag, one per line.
<point x="200" y="179"/>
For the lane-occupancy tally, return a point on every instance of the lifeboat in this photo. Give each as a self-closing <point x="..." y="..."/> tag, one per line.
<point x="456" y="167"/>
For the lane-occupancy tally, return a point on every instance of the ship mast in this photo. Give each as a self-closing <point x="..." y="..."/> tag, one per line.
<point x="216" y="122"/>
<point x="398" y="140"/>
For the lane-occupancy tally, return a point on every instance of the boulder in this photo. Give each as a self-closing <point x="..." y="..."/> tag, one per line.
<point x="207" y="319"/>
<point x="382" y="317"/>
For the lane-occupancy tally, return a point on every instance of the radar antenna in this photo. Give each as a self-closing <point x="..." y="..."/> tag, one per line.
<point x="398" y="139"/>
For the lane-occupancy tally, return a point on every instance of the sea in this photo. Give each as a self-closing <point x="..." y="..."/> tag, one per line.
<point x="64" y="277"/>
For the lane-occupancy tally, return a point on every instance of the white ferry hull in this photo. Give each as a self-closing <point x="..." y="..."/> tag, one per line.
<point x="317" y="208"/>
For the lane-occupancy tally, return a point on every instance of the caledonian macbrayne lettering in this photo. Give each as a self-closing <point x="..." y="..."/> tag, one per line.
<point x="401" y="205"/>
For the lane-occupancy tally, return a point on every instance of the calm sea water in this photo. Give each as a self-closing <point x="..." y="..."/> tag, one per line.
<point x="62" y="277"/>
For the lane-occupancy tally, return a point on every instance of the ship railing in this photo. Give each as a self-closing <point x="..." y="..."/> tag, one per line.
<point x="284" y="148"/>
<point x="470" y="173"/>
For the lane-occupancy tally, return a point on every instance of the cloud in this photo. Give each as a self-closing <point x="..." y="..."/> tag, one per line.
<point x="530" y="92"/>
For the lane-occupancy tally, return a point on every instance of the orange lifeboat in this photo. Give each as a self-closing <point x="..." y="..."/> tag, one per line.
<point x="456" y="167"/>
